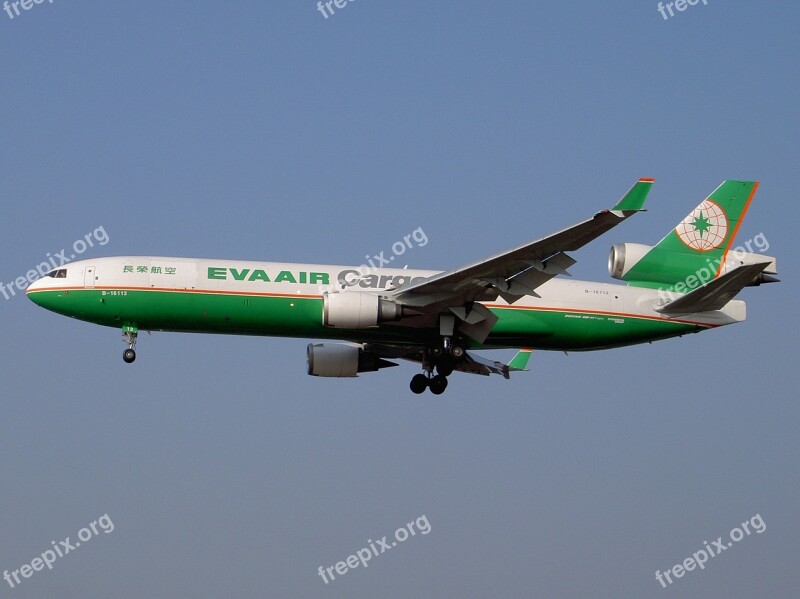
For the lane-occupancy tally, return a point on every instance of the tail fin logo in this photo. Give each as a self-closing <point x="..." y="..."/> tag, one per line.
<point x="705" y="228"/>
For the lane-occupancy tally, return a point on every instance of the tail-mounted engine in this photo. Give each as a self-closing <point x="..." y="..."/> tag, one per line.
<point x="623" y="256"/>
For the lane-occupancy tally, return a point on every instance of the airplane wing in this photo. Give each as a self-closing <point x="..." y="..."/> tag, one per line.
<point x="715" y="294"/>
<point x="469" y="362"/>
<point x="514" y="273"/>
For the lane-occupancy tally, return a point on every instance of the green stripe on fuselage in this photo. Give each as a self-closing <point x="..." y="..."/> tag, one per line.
<point x="291" y="316"/>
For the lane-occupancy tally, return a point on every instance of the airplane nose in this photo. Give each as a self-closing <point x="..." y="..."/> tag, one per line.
<point x="32" y="289"/>
<point x="37" y="284"/>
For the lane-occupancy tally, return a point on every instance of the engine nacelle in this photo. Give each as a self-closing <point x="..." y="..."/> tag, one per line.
<point x="623" y="256"/>
<point x="357" y="310"/>
<point x="342" y="360"/>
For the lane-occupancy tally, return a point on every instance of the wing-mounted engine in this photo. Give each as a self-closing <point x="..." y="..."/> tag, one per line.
<point x="342" y="360"/>
<point x="357" y="310"/>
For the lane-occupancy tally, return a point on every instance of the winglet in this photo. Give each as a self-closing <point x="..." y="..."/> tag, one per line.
<point x="520" y="360"/>
<point x="636" y="196"/>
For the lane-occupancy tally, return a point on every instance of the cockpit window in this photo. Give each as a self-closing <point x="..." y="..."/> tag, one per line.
<point x="61" y="273"/>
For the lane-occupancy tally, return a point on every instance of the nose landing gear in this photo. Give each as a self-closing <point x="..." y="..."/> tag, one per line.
<point x="130" y="333"/>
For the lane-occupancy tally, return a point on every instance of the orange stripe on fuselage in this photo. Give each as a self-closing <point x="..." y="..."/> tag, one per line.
<point x="171" y="290"/>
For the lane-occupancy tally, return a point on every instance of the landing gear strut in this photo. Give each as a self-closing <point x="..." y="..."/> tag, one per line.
<point x="447" y="327"/>
<point x="130" y="333"/>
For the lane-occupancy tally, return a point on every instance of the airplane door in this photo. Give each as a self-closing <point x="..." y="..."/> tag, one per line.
<point x="88" y="277"/>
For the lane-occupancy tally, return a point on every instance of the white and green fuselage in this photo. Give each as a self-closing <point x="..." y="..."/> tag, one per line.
<point x="516" y="299"/>
<point x="285" y="299"/>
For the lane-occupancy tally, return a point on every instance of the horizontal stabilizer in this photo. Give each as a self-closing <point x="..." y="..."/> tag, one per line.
<point x="715" y="294"/>
<point x="474" y="364"/>
<point x="477" y="365"/>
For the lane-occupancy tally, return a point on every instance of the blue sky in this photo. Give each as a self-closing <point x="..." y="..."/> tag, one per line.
<point x="265" y="131"/>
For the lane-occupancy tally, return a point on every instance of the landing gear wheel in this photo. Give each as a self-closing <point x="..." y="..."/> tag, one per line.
<point x="456" y="351"/>
<point x="438" y="384"/>
<point x="130" y="332"/>
<point x="419" y="382"/>
<point x="444" y="370"/>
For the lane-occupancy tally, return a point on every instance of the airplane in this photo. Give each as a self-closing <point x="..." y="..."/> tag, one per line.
<point x="518" y="299"/>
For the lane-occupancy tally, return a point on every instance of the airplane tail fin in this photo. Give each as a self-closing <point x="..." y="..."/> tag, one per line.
<point x="697" y="247"/>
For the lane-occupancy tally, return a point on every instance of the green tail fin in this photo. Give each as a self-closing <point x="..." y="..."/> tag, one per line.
<point x="699" y="242"/>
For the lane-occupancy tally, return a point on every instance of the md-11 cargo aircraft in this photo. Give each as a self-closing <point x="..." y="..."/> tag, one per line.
<point x="516" y="299"/>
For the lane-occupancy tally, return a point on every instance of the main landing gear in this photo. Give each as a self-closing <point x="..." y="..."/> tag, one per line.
<point x="129" y="333"/>
<point x="437" y="383"/>
<point x="442" y="358"/>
